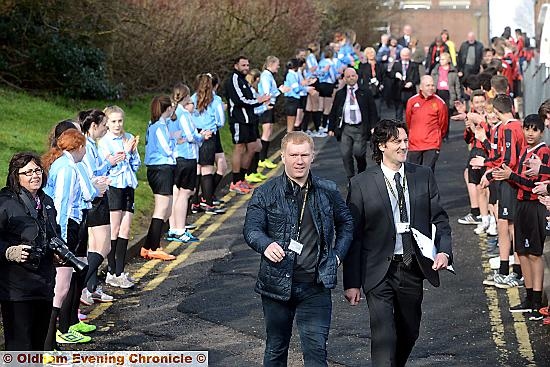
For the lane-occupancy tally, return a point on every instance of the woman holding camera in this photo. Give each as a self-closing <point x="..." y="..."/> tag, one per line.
<point x="28" y="274"/>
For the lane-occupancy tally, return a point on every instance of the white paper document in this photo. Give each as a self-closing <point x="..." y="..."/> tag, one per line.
<point x="427" y="245"/>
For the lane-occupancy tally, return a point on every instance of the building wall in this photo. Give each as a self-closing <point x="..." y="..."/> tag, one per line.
<point x="428" y="23"/>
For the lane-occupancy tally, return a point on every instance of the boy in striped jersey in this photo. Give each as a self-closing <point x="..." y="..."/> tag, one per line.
<point x="530" y="216"/>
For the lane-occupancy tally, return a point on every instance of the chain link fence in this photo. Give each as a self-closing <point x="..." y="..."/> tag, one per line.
<point x="536" y="86"/>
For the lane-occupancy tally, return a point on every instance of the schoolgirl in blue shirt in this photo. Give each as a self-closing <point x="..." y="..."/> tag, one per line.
<point x="122" y="146"/>
<point x="94" y="126"/>
<point x="64" y="188"/>
<point x="161" y="162"/>
<point x="327" y="83"/>
<point x="295" y="86"/>
<point x="268" y="85"/>
<point x="188" y="141"/>
<point x="221" y="162"/>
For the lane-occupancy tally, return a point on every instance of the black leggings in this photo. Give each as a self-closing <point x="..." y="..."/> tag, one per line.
<point x="26" y="324"/>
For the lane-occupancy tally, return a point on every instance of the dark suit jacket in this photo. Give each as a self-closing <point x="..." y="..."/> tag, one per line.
<point x="369" y="256"/>
<point x="365" y="75"/>
<point x="400" y="93"/>
<point x="369" y="115"/>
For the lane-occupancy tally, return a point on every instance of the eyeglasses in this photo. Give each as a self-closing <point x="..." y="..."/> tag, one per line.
<point x="29" y="173"/>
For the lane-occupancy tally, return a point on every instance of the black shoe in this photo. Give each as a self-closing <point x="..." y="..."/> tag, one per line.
<point x="523" y="307"/>
<point x="535" y="315"/>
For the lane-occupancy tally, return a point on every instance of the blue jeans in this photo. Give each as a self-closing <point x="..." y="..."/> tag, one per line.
<point x="312" y="306"/>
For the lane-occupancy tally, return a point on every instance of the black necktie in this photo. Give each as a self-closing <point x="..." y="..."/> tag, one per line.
<point x="403" y="215"/>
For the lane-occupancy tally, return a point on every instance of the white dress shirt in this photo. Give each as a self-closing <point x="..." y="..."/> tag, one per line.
<point x="351" y="103"/>
<point x="390" y="177"/>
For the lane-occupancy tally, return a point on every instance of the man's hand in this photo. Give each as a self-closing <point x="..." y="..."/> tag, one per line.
<point x="274" y="252"/>
<point x="460" y="74"/>
<point x="331" y="133"/>
<point x="541" y="187"/>
<point x="502" y="173"/>
<point x="533" y="164"/>
<point x="477" y="161"/>
<point x="441" y="261"/>
<point x="353" y="295"/>
<point x="286" y="88"/>
<point x="408" y="84"/>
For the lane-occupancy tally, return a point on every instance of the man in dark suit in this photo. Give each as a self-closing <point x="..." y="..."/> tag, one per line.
<point x="352" y="116"/>
<point x="406" y="77"/>
<point x="386" y="201"/>
<point x="405" y="39"/>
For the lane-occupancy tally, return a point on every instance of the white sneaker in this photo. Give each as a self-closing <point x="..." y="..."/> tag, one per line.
<point x="494" y="262"/>
<point x="121" y="281"/>
<point x="481" y="228"/>
<point x="110" y="279"/>
<point x="86" y="297"/>
<point x="492" y="230"/>
<point x="124" y="282"/>
<point x="100" y="296"/>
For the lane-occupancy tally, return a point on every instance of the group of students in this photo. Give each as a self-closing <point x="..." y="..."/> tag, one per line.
<point x="80" y="192"/>
<point x="86" y="182"/>
<point x="507" y="182"/>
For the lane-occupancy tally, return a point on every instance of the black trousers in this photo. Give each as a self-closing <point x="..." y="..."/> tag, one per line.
<point x="26" y="324"/>
<point x="424" y="157"/>
<point x="395" y="308"/>
<point x="353" y="144"/>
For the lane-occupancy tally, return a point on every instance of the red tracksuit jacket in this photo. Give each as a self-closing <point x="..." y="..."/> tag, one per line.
<point x="427" y="120"/>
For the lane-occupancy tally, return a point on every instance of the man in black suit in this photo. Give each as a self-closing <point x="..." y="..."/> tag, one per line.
<point x="386" y="201"/>
<point x="352" y="116"/>
<point x="405" y="39"/>
<point x="406" y="77"/>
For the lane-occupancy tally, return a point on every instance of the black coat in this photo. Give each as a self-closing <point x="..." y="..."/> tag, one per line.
<point x="272" y="216"/>
<point x="463" y="53"/>
<point x="370" y="254"/>
<point x="399" y="92"/>
<point x="365" y="75"/>
<point x="19" y="224"/>
<point x="369" y="114"/>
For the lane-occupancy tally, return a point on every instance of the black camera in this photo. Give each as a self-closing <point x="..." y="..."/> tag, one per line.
<point x="34" y="258"/>
<point x="58" y="246"/>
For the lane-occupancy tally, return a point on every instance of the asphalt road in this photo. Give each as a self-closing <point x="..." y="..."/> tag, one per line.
<point x="205" y="300"/>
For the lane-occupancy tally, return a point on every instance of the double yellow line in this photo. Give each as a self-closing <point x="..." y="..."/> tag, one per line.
<point x="497" y="326"/>
<point x="172" y="246"/>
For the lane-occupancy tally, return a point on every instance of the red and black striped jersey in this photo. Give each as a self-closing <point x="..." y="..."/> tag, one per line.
<point x="470" y="136"/>
<point x="523" y="183"/>
<point x="491" y="145"/>
<point x="510" y="143"/>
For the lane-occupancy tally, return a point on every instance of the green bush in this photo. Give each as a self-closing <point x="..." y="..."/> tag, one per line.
<point x="38" y="54"/>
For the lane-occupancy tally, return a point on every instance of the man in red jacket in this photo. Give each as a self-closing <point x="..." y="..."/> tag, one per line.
<point x="427" y="119"/>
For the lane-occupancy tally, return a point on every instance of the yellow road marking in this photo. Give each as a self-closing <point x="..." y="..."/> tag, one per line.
<point x="164" y="273"/>
<point x="520" y="328"/>
<point x="497" y="326"/>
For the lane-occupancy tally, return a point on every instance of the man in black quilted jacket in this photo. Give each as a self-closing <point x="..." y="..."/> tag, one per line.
<point x="302" y="227"/>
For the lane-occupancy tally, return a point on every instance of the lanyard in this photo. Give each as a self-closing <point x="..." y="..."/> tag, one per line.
<point x="393" y="192"/>
<point x="303" y="209"/>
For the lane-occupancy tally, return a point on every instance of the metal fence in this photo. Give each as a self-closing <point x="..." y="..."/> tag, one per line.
<point x="536" y="86"/>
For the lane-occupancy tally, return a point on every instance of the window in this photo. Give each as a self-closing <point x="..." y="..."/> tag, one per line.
<point x="416" y="4"/>
<point x="455" y="4"/>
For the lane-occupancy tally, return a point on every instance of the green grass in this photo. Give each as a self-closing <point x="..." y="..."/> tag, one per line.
<point x="27" y="120"/>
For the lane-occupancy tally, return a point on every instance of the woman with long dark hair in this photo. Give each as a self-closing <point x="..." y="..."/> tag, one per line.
<point x="28" y="274"/>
